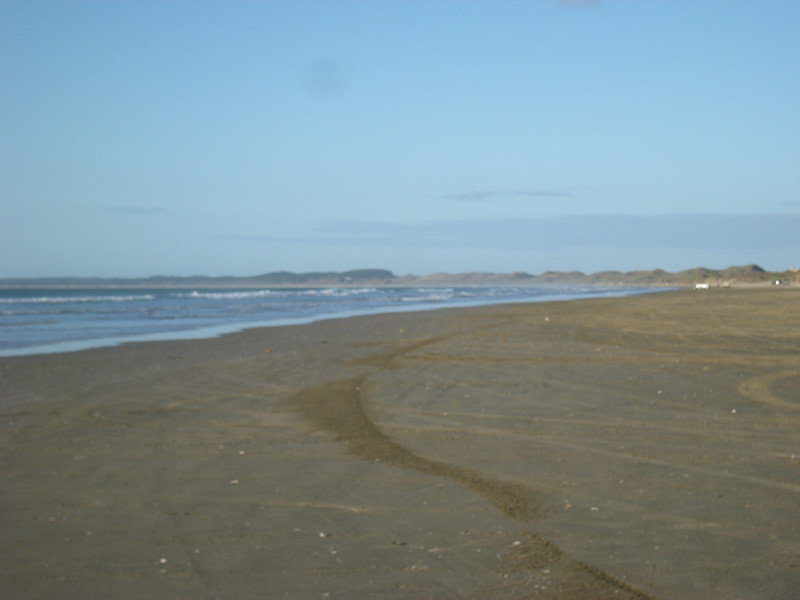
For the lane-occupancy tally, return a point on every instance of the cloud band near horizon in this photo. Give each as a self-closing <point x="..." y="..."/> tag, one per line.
<point x="483" y="195"/>
<point x="686" y="231"/>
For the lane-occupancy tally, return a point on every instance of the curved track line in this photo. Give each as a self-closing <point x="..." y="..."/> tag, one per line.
<point x="549" y="440"/>
<point x="757" y="389"/>
<point x="337" y="408"/>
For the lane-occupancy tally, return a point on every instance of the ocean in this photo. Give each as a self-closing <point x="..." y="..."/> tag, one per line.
<point x="43" y="321"/>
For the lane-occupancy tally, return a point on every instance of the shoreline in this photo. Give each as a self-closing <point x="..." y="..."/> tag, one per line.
<point x="212" y="331"/>
<point x="685" y="284"/>
<point x="635" y="447"/>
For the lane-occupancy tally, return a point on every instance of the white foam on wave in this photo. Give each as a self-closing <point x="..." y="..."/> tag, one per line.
<point x="245" y="294"/>
<point x="430" y="297"/>
<point x="338" y="292"/>
<point x="228" y="295"/>
<point x="68" y="299"/>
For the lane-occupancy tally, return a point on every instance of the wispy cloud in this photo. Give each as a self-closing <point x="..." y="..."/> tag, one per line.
<point x="483" y="195"/>
<point x="697" y="232"/>
<point x="579" y="3"/>
<point x="683" y="231"/>
<point x="247" y="238"/>
<point x="143" y="211"/>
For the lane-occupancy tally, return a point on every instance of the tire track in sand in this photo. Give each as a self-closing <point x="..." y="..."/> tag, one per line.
<point x="757" y="389"/>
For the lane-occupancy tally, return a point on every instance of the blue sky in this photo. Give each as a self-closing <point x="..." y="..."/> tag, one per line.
<point x="143" y="138"/>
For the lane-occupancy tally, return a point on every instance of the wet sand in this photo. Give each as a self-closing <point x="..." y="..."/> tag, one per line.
<point x="644" y="447"/>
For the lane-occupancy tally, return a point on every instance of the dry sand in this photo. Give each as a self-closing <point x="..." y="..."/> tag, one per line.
<point x="645" y="447"/>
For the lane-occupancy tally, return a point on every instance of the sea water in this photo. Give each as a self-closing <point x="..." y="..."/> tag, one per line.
<point x="38" y="321"/>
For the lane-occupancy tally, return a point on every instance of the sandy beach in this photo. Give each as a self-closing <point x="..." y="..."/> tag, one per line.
<point x="642" y="447"/>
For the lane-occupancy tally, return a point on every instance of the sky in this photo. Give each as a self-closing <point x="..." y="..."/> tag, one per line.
<point x="243" y="137"/>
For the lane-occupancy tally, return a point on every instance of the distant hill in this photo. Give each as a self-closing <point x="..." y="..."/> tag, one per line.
<point x="370" y="276"/>
<point x="743" y="275"/>
<point x="279" y="278"/>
